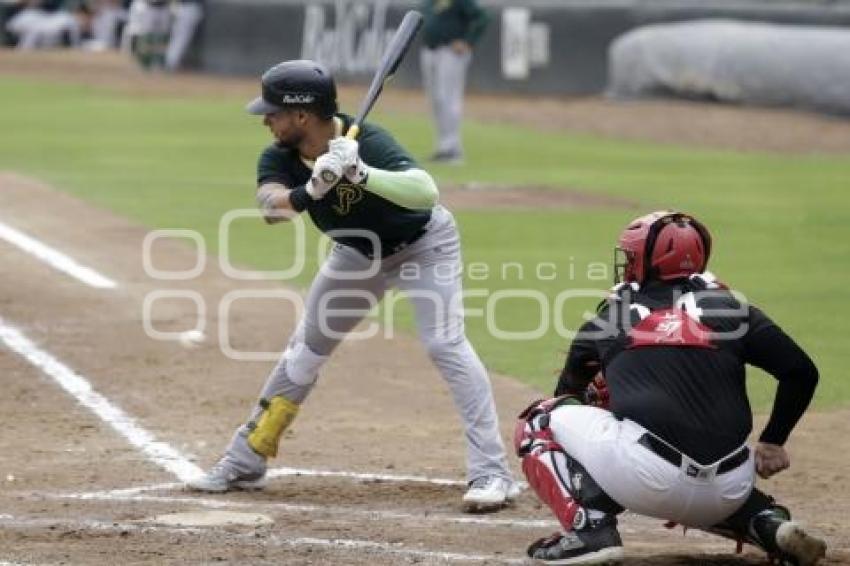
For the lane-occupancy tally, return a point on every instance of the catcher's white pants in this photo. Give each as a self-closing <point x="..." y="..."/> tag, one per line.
<point x="640" y="480"/>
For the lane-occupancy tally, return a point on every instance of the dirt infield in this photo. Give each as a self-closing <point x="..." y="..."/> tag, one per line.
<point x="73" y="490"/>
<point x="372" y="412"/>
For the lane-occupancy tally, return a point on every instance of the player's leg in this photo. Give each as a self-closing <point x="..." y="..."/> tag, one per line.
<point x="428" y="65"/>
<point x="187" y="16"/>
<point x="639" y="480"/>
<point x="140" y="31"/>
<point x="763" y="523"/>
<point x="449" y="85"/>
<point x="434" y="289"/>
<point x="159" y="35"/>
<point x="586" y="512"/>
<point x="333" y="307"/>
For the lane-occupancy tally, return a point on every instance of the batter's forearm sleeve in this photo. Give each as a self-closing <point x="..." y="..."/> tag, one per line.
<point x="413" y="188"/>
<point x="776" y="353"/>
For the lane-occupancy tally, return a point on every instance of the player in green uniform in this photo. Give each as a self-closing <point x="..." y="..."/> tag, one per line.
<point x="389" y="232"/>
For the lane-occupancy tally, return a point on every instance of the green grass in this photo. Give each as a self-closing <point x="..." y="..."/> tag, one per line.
<point x="780" y="222"/>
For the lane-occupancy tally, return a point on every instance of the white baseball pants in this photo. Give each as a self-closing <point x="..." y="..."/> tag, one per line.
<point x="640" y="480"/>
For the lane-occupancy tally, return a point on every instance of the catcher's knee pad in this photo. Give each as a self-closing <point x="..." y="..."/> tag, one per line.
<point x="277" y="414"/>
<point x="302" y="364"/>
<point x="533" y="421"/>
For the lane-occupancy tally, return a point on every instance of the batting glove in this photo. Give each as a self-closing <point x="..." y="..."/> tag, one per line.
<point x="327" y="172"/>
<point x="348" y="151"/>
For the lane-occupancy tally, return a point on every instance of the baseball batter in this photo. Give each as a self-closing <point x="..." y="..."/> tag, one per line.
<point x="389" y="232"/>
<point x="669" y="439"/>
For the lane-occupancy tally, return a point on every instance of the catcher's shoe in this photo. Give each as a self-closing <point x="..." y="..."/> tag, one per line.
<point x="786" y="541"/>
<point x="489" y="493"/>
<point x="597" y="543"/>
<point x="225" y="477"/>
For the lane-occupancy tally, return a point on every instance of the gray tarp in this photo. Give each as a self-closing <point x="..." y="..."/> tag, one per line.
<point x="754" y="63"/>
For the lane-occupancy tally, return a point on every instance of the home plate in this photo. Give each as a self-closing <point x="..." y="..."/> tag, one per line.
<point x="212" y="519"/>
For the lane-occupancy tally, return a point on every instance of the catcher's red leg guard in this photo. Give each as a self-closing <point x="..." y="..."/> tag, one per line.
<point x="539" y="469"/>
<point x="542" y="458"/>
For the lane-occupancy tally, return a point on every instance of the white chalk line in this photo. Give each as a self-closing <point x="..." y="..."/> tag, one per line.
<point x="79" y="387"/>
<point x="55" y="259"/>
<point x="366" y="477"/>
<point x="346" y="511"/>
<point x="280" y="472"/>
<point x="397" y="549"/>
<point x="127" y="491"/>
<point x="159" y="452"/>
<point x="171" y="460"/>
<point x="630" y="523"/>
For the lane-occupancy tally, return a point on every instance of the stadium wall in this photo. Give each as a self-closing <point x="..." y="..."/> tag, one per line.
<point x="531" y="46"/>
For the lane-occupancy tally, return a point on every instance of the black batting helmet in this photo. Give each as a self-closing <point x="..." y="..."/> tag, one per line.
<point x="296" y="84"/>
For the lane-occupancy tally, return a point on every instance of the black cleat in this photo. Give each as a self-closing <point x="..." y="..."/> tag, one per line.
<point x="784" y="540"/>
<point x="597" y="543"/>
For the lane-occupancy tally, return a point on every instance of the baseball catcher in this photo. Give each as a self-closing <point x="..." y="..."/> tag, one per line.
<point x="664" y="433"/>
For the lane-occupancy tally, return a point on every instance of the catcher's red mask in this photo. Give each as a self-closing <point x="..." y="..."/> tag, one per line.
<point x="661" y="245"/>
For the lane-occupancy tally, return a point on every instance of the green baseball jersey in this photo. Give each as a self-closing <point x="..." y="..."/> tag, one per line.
<point x="448" y="20"/>
<point x="348" y="206"/>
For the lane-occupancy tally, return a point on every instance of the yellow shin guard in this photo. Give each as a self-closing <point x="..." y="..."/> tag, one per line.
<point x="278" y="413"/>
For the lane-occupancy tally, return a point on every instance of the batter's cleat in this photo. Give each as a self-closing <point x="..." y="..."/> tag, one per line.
<point x="224" y="477"/>
<point x="489" y="493"/>
<point x="597" y="543"/>
<point x="786" y="541"/>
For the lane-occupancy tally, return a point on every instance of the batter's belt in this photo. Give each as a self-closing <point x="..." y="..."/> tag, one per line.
<point x="670" y="454"/>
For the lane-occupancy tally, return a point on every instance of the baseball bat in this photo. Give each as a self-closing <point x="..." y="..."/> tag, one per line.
<point x="395" y="52"/>
<point x="393" y="55"/>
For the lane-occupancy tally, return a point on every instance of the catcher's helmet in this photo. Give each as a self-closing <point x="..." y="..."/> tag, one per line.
<point x="296" y="84"/>
<point x="662" y="245"/>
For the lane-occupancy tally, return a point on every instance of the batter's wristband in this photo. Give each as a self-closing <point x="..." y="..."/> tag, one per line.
<point x="299" y="198"/>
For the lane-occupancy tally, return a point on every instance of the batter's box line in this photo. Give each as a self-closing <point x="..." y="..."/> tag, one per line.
<point x="156" y="451"/>
<point x="55" y="259"/>
<point x="365" y="477"/>
<point x="395" y="549"/>
<point x="630" y="523"/>
<point x="346" y="511"/>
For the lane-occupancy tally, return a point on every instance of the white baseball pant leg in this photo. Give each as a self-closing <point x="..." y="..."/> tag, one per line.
<point x="437" y="298"/>
<point x="321" y="329"/>
<point x="641" y="481"/>
<point x="444" y="78"/>
<point x="186" y="17"/>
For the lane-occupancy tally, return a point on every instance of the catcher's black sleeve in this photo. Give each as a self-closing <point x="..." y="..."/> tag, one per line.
<point x="769" y="348"/>
<point x="583" y="362"/>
